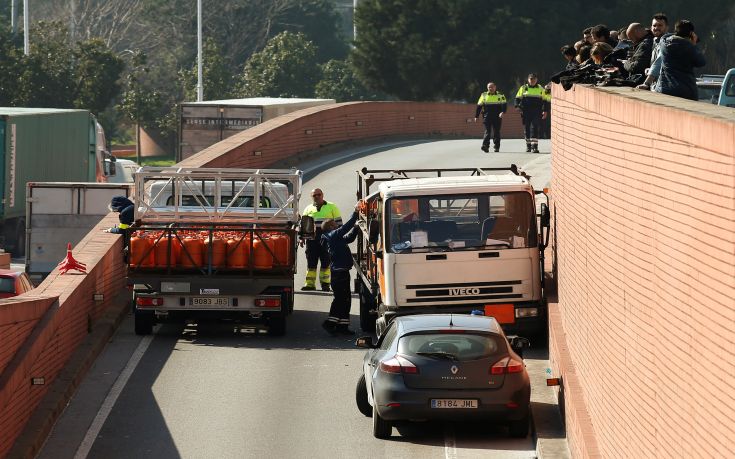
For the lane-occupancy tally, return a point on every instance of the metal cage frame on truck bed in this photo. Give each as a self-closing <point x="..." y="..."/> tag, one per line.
<point x="281" y="186"/>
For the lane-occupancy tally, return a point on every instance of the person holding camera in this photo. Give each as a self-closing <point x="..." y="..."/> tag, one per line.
<point x="679" y="57"/>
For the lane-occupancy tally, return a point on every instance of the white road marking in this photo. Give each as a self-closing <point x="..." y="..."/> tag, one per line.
<point x="450" y="442"/>
<point x="94" y="429"/>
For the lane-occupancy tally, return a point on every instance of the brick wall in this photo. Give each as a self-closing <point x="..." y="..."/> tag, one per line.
<point x="40" y="330"/>
<point x="314" y="129"/>
<point x="644" y="330"/>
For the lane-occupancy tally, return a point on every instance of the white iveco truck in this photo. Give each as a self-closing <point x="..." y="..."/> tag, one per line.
<point x="451" y="240"/>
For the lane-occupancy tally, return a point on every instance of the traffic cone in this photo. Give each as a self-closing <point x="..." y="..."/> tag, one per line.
<point x="70" y="263"/>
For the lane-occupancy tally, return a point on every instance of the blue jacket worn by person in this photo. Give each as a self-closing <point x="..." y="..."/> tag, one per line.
<point x="127" y="211"/>
<point x="679" y="57"/>
<point x="336" y="242"/>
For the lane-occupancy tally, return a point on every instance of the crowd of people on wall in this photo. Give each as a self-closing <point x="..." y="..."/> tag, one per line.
<point x="646" y="57"/>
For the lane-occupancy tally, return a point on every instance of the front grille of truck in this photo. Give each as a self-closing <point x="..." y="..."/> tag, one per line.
<point x="463" y="292"/>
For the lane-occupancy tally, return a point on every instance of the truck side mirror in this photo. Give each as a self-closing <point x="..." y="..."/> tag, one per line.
<point x="374" y="232"/>
<point x="545" y="216"/>
<point x="307" y="228"/>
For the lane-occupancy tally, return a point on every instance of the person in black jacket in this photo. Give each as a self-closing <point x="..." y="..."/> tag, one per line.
<point x="126" y="208"/>
<point x="642" y="39"/>
<point x="336" y="240"/>
<point x="679" y="57"/>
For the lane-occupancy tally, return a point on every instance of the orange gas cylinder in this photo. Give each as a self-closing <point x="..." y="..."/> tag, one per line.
<point x="238" y="252"/>
<point x="219" y="248"/>
<point x="262" y="256"/>
<point x="161" y="251"/>
<point x="281" y="251"/>
<point x="195" y="249"/>
<point x="141" y="253"/>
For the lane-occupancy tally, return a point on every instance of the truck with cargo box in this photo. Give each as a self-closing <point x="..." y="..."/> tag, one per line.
<point x="206" y="123"/>
<point x="214" y="244"/>
<point x="58" y="213"/>
<point x="42" y="145"/>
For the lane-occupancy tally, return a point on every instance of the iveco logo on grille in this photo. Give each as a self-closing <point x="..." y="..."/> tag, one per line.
<point x="464" y="291"/>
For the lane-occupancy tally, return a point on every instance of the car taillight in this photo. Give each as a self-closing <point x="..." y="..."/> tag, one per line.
<point x="397" y="365"/>
<point x="267" y="302"/>
<point x="506" y="365"/>
<point x="148" y="301"/>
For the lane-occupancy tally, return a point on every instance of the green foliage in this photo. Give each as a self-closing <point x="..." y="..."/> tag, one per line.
<point x="285" y="68"/>
<point x="216" y="75"/>
<point x="339" y="82"/>
<point x="97" y="75"/>
<point x="140" y="103"/>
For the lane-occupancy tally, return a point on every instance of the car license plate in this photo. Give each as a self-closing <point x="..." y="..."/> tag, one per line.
<point x="453" y="403"/>
<point x="215" y="301"/>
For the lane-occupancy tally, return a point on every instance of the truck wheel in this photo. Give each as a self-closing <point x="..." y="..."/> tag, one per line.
<point x="277" y="326"/>
<point x="361" y="397"/>
<point x="381" y="428"/>
<point x="143" y="323"/>
<point x="367" y="319"/>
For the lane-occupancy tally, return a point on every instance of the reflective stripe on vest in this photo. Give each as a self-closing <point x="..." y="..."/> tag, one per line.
<point x="327" y="211"/>
<point x="489" y="99"/>
<point x="123" y="226"/>
<point x="530" y="91"/>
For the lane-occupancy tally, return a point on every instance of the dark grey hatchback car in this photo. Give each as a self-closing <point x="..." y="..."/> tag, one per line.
<point x="444" y="367"/>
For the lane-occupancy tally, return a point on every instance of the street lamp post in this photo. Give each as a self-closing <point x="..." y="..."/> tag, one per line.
<point x="200" y="86"/>
<point x="26" y="31"/>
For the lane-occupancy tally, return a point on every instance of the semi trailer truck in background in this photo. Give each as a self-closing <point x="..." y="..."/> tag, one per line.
<point x="44" y="145"/>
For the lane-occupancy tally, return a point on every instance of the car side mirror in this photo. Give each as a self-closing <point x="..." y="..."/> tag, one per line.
<point x="365" y="342"/>
<point x="307" y="228"/>
<point x="545" y="215"/>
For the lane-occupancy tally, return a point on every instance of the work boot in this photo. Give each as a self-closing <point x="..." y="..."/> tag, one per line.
<point x="528" y="148"/>
<point x="496" y="149"/>
<point x="330" y="327"/>
<point x="326" y="287"/>
<point x="308" y="288"/>
<point x="485" y="148"/>
<point x="344" y="329"/>
<point x="535" y="149"/>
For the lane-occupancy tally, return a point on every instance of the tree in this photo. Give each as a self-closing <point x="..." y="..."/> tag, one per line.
<point x="216" y="75"/>
<point x="286" y="67"/>
<point x="97" y="74"/>
<point x="339" y="82"/>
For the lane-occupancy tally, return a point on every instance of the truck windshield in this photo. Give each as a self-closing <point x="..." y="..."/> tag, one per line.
<point x="461" y="222"/>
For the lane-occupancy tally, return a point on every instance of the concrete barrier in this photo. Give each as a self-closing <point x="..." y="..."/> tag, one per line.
<point x="643" y="334"/>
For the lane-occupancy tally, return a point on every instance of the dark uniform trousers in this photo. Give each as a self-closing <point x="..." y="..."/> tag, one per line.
<point x="531" y="123"/>
<point x="492" y="130"/>
<point x="342" y="301"/>
<point x="315" y="253"/>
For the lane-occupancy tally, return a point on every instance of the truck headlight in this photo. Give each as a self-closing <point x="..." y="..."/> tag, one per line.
<point x="526" y="312"/>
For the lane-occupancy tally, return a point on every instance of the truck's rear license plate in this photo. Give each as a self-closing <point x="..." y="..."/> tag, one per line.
<point x="453" y="403"/>
<point x="209" y="301"/>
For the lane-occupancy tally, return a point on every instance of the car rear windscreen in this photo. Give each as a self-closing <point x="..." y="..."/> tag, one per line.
<point x="462" y="346"/>
<point x="7" y="285"/>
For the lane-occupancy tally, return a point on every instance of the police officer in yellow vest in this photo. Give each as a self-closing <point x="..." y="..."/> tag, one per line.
<point x="320" y="210"/>
<point x="492" y="104"/>
<point x="529" y="99"/>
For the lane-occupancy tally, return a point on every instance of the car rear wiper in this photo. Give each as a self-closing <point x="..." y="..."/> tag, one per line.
<point x="443" y="355"/>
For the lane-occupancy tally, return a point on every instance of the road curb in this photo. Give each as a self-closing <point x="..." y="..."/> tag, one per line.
<point x="52" y="405"/>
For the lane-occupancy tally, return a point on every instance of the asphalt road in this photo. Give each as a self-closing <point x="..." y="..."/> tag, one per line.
<point x="224" y="393"/>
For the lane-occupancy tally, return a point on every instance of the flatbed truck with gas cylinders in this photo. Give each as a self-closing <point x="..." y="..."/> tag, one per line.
<point x="214" y="244"/>
<point x="451" y="240"/>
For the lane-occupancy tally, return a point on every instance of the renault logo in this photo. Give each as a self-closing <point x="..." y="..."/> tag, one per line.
<point x="454" y="369"/>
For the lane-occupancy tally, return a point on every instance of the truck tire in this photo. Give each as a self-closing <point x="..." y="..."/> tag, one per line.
<point x="367" y="318"/>
<point x="381" y="428"/>
<point x="143" y="323"/>
<point x="361" y="397"/>
<point x="277" y="325"/>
